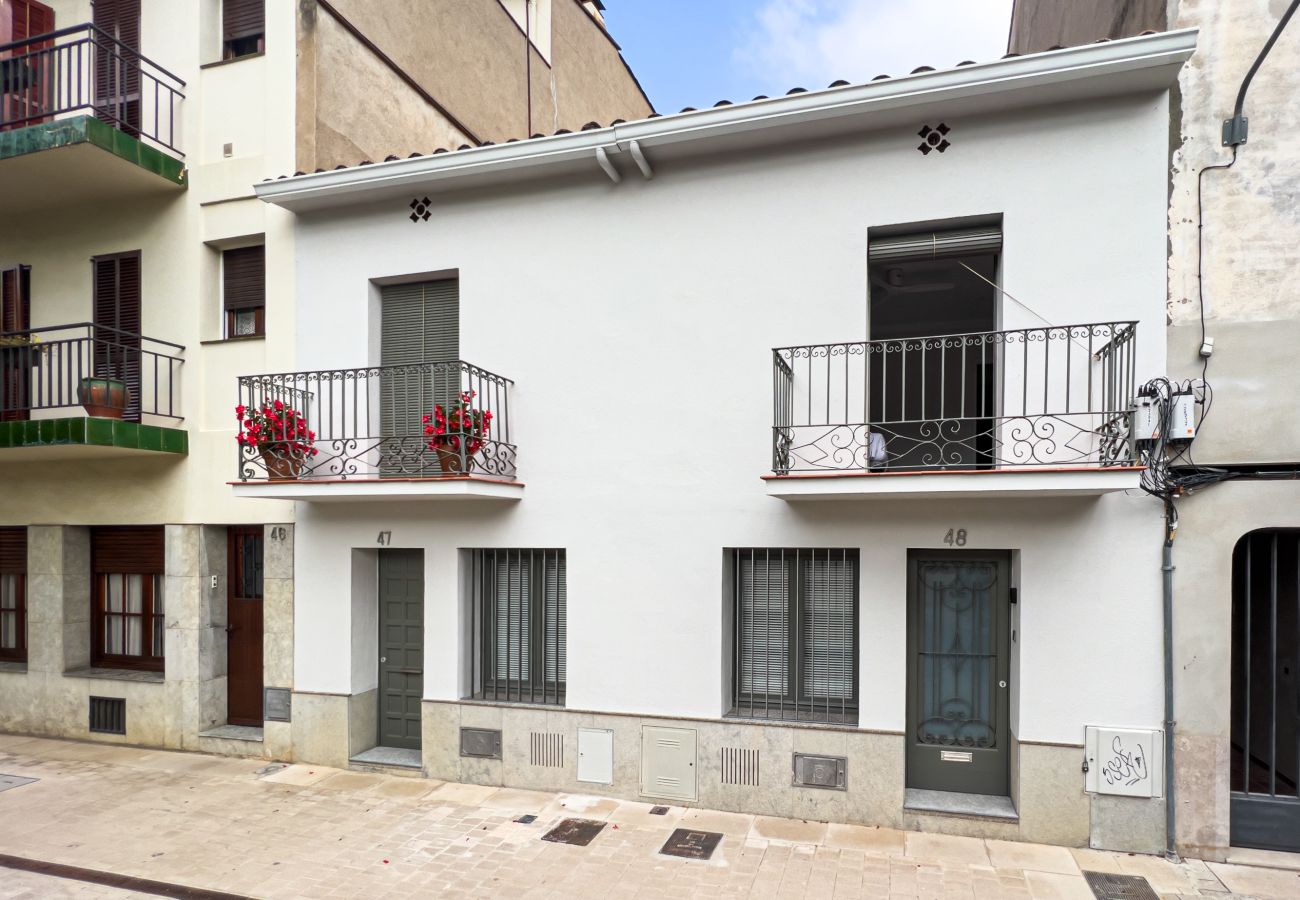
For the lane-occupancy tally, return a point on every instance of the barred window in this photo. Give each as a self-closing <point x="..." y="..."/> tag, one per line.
<point x="794" y="640"/>
<point x="518" y="611"/>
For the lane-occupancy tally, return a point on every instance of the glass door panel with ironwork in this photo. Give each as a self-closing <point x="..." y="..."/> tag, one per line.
<point x="958" y="671"/>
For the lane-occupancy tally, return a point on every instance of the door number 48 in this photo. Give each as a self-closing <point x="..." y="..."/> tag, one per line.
<point x="956" y="537"/>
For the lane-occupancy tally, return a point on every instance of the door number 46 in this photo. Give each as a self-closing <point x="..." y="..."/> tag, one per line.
<point x="956" y="537"/>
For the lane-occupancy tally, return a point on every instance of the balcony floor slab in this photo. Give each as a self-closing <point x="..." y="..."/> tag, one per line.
<point x="360" y="490"/>
<point x="86" y="437"/>
<point x="952" y="484"/>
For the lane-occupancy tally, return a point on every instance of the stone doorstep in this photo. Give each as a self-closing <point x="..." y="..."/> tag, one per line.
<point x="948" y="803"/>
<point x="234" y="733"/>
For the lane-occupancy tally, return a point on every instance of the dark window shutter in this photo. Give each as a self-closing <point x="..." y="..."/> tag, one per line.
<point x="30" y="19"/>
<point x="117" y="68"/>
<point x="242" y="19"/>
<point x="13" y="551"/>
<point x="127" y="550"/>
<point x="420" y="323"/>
<point x="116" y="281"/>
<point x="15" y="299"/>
<point x="244" y="277"/>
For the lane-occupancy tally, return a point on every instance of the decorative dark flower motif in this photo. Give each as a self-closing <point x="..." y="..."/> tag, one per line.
<point x="420" y="210"/>
<point x="934" y="138"/>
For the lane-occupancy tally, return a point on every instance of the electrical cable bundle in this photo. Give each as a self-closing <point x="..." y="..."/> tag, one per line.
<point x="1170" y="468"/>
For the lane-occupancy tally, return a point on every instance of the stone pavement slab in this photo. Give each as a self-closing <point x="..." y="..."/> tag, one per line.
<point x="315" y="832"/>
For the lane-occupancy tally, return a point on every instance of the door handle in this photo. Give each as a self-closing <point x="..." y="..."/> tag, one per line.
<point x="231" y="629"/>
<point x="383" y="659"/>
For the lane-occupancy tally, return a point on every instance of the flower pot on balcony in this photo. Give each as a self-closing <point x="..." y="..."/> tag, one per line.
<point x="450" y="461"/>
<point x="280" y="464"/>
<point x="104" y="398"/>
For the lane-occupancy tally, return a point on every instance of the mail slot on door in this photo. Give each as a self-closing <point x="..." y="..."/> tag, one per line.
<point x="956" y="756"/>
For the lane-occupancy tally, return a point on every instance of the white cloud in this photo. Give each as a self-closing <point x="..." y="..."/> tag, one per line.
<point x="810" y="43"/>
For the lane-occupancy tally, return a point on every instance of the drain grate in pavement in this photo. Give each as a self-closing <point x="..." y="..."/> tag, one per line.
<point x="526" y="820"/>
<point x="1107" y="886"/>
<point x="578" y="832"/>
<point x="691" y="844"/>
<point x="658" y="810"/>
<point x="270" y="769"/>
<point x="13" y="781"/>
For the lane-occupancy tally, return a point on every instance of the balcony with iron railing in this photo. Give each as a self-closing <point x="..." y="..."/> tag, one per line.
<point x="421" y="431"/>
<point x="1034" y="411"/>
<point x="86" y="390"/>
<point x="111" y="113"/>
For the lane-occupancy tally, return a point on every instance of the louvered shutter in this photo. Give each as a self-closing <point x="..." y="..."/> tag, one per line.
<point x="242" y="18"/>
<point x="511" y="617"/>
<point x="244" y="278"/>
<point x="130" y="551"/>
<point x="763" y="594"/>
<point x="15" y="298"/>
<point x="116" y="281"/>
<point x="827" y="621"/>
<point x="117" y="64"/>
<point x="420" y="323"/>
<point x="932" y="245"/>
<point x="16" y="363"/>
<point x="555" y="648"/>
<point x="28" y="85"/>
<point x="13" y="551"/>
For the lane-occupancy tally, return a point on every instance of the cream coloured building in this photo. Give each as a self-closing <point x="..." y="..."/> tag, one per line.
<point x="139" y="601"/>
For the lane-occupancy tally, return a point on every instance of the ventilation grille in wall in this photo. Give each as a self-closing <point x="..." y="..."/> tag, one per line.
<point x="546" y="749"/>
<point x="740" y="766"/>
<point x="484" y="743"/>
<point x="108" y="715"/>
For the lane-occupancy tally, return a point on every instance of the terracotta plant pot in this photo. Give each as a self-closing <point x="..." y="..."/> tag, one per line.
<point x="280" y="465"/>
<point x="450" y="461"/>
<point x="104" y="398"/>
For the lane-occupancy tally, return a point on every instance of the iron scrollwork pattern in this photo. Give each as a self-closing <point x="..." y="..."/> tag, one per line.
<point x="957" y="655"/>
<point x="1057" y="396"/>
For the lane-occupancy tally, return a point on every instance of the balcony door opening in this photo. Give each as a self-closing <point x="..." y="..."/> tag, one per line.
<point x="932" y="354"/>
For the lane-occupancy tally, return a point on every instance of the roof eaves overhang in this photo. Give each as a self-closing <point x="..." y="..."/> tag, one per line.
<point x="1112" y="68"/>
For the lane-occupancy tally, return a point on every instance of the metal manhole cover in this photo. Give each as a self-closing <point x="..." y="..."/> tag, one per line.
<point x="526" y="820"/>
<point x="658" y="810"/>
<point x="270" y="769"/>
<point x="578" y="832"/>
<point x="1107" y="886"/>
<point x="13" y="781"/>
<point x="691" y="844"/>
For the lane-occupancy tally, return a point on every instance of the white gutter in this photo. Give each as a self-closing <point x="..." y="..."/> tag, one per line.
<point x="1057" y="67"/>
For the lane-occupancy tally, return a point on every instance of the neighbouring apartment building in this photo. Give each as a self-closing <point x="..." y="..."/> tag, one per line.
<point x="139" y="601"/>
<point x="1234" y="226"/>
<point x="803" y="484"/>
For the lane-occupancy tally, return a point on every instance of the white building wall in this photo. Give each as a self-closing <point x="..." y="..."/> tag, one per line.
<point x="637" y="320"/>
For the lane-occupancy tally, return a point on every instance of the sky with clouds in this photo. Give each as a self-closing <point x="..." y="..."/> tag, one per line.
<point x="696" y="52"/>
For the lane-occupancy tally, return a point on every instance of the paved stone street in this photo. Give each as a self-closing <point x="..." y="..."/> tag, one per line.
<point x="219" y="824"/>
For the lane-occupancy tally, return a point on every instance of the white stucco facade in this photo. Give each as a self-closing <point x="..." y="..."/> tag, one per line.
<point x="637" y="320"/>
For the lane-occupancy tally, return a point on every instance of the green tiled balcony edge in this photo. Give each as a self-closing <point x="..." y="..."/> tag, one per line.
<point x="88" y="129"/>
<point x="88" y="431"/>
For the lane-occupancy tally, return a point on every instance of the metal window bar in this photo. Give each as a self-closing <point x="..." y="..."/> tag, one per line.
<point x="368" y="422"/>
<point x="84" y="69"/>
<point x="519" y="623"/>
<point x="1034" y="397"/>
<point x="794" y="642"/>
<point x="42" y="368"/>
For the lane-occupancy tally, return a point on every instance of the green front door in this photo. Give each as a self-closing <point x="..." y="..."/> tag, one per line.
<point x="957" y="696"/>
<point x="401" y="647"/>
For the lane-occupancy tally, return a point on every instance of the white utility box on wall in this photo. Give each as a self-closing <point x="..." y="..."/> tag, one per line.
<point x="668" y="762"/>
<point x="596" y="755"/>
<point x="1124" y="761"/>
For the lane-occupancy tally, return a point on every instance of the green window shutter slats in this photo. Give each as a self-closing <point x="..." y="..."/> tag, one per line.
<point x="420" y="323"/>
<point x="764" y="601"/>
<point x="520" y="625"/>
<point x="243" y="278"/>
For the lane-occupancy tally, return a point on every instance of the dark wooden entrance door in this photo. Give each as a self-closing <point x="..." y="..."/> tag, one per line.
<point x="1265" y="782"/>
<point x="401" y="647"/>
<point x="244" y="627"/>
<point x="957" y="695"/>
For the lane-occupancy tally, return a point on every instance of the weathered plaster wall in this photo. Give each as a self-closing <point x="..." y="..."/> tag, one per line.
<point x="468" y="54"/>
<point x="1039" y="24"/>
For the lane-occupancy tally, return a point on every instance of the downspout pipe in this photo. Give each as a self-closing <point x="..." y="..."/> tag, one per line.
<point x="1167" y="571"/>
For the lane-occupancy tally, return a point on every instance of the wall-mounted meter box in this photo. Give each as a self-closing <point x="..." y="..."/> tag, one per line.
<point x="1124" y="761"/>
<point x="1146" y="420"/>
<point x="1182" y="425"/>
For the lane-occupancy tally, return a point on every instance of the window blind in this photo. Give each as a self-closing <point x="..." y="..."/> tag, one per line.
<point x="242" y="18"/>
<point x="419" y="325"/>
<point x="934" y="244"/>
<point x="243" y="274"/>
<point x="519" y="625"/>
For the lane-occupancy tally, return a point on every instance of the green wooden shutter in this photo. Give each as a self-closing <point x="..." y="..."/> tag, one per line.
<point x="763" y="600"/>
<point x="555" y="647"/>
<point x="827" y="622"/>
<point x="419" y="324"/>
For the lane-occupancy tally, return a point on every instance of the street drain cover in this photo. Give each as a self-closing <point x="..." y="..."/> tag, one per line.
<point x="1107" y="886"/>
<point x="578" y="832"/>
<point x="13" y="781"/>
<point x="691" y="844"/>
<point x="658" y="810"/>
<point x="270" y="769"/>
<point x="526" y="820"/>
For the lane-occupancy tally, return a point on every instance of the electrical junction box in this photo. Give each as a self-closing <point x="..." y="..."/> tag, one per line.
<point x="668" y="763"/>
<point x="1124" y="762"/>
<point x="1146" y="420"/>
<point x="1182" y="425"/>
<point x="596" y="755"/>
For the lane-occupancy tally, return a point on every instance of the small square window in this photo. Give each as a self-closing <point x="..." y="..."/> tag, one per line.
<point x="245" y="322"/>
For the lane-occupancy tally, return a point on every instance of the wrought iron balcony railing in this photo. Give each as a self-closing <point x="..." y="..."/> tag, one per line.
<point x="43" y="369"/>
<point x="428" y="420"/>
<point x="83" y="69"/>
<point x="1057" y="396"/>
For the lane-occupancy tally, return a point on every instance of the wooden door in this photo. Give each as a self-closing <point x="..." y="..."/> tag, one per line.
<point x="957" y="692"/>
<point x="401" y="647"/>
<point x="244" y="626"/>
<point x="117" y="64"/>
<point x="116" y="352"/>
<point x="16" y="361"/>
